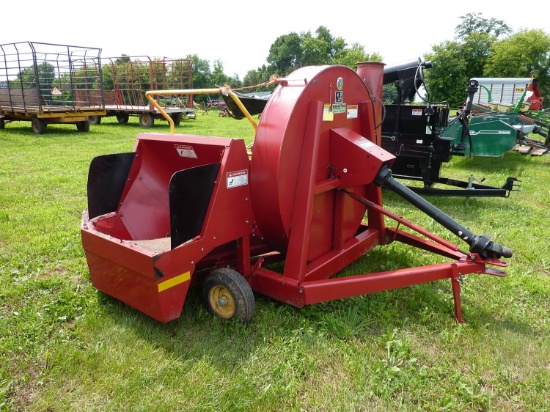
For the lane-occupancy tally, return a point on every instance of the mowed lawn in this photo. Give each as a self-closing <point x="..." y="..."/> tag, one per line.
<point x="64" y="346"/>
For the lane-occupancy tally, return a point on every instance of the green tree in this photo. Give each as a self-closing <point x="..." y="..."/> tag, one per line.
<point x="477" y="35"/>
<point x="524" y="54"/>
<point x="448" y="77"/>
<point x="218" y="77"/>
<point x="350" y="56"/>
<point x="292" y="51"/>
<point x="124" y="58"/>
<point x="475" y="51"/>
<point x="201" y="72"/>
<point x="202" y="76"/>
<point x="389" y="94"/>
<point x="285" y="54"/>
<point x="476" y="23"/>
<point x="265" y="73"/>
<point x="252" y="77"/>
<point x="321" y="48"/>
<point x="107" y="76"/>
<point x="463" y="58"/>
<point x="43" y="75"/>
<point x="258" y="78"/>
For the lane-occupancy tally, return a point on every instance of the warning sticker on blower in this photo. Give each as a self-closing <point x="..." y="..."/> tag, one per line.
<point x="186" y="151"/>
<point x="236" y="179"/>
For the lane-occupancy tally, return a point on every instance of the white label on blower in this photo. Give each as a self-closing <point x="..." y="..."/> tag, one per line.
<point x="186" y="151"/>
<point x="236" y="179"/>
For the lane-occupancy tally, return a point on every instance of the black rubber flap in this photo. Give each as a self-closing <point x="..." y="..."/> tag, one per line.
<point x="190" y="192"/>
<point x="106" y="179"/>
<point x="254" y="104"/>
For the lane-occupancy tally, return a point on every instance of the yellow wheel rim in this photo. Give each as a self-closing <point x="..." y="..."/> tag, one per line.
<point x="222" y="302"/>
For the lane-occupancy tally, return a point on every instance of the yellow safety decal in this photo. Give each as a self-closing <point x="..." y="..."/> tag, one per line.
<point x="328" y="115"/>
<point x="170" y="283"/>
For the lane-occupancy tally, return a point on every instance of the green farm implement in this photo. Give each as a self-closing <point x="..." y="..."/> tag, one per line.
<point x="505" y="114"/>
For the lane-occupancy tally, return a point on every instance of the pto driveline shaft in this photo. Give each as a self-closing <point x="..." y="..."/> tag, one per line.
<point x="481" y="245"/>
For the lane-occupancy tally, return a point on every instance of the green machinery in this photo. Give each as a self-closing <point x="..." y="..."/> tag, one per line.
<point x="497" y="125"/>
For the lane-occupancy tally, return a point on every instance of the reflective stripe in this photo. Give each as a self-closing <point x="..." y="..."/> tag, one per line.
<point x="167" y="284"/>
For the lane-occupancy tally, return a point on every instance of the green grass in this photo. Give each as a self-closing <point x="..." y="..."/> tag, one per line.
<point x="66" y="347"/>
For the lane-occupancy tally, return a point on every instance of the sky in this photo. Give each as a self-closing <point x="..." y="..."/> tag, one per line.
<point x="240" y="33"/>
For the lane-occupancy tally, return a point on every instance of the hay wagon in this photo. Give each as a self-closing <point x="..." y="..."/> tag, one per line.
<point x="126" y="80"/>
<point x="50" y="84"/>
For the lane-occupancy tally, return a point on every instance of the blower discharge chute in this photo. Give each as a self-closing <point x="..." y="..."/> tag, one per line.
<point x="182" y="210"/>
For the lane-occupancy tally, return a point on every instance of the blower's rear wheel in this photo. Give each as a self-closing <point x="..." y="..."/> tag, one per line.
<point x="228" y="295"/>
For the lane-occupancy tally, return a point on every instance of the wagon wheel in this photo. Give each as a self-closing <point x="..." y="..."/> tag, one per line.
<point x="176" y="117"/>
<point x="94" y="119"/>
<point x="122" y="117"/>
<point x="228" y="295"/>
<point x="38" y="125"/>
<point x="146" y="120"/>
<point x="83" y="126"/>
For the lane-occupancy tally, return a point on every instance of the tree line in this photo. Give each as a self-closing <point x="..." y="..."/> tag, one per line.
<point x="288" y="53"/>
<point x="482" y="47"/>
<point x="486" y="48"/>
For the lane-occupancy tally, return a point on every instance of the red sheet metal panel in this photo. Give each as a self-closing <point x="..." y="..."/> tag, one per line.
<point x="323" y="97"/>
<point x="134" y="269"/>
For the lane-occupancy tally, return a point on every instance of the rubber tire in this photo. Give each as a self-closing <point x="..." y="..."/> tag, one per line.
<point x="146" y="120"/>
<point x="232" y="286"/>
<point x="94" y="119"/>
<point x="38" y="125"/>
<point x="2" y="124"/>
<point x="122" y="118"/>
<point x="83" y="126"/>
<point x="176" y="118"/>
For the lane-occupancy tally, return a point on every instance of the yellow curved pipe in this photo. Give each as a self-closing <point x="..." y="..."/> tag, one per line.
<point x="233" y="96"/>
